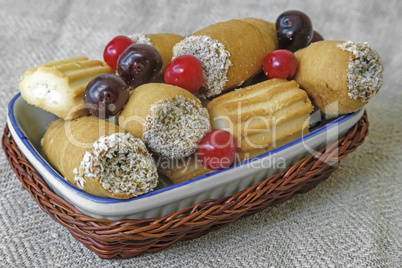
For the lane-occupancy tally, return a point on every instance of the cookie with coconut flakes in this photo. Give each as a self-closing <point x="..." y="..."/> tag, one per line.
<point x="267" y="30"/>
<point x="169" y="119"/>
<point x="339" y="76"/>
<point x="100" y="158"/>
<point x="230" y="52"/>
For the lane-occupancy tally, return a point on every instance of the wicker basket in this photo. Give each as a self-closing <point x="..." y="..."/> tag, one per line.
<point x="129" y="238"/>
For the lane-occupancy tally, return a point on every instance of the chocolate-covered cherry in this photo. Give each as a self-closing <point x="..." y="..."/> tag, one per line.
<point x="114" y="49"/>
<point x="105" y="95"/>
<point x="186" y="72"/>
<point x="139" y="64"/>
<point x="281" y="63"/>
<point x="294" y="30"/>
<point x="217" y="149"/>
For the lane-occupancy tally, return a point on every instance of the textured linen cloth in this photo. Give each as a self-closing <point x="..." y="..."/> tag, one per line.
<point x="352" y="219"/>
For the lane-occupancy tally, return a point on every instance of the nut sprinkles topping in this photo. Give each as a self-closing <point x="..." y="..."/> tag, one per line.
<point x="175" y="126"/>
<point x="122" y="164"/>
<point x="214" y="59"/>
<point x="365" y="70"/>
<point x="140" y="38"/>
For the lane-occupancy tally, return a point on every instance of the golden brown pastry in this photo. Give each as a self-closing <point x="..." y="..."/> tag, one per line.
<point x="267" y="30"/>
<point x="241" y="156"/>
<point x="100" y="158"/>
<point x="169" y="119"/>
<point x="340" y="77"/>
<point x="179" y="170"/>
<point x="262" y="115"/>
<point x="58" y="86"/>
<point x="163" y="42"/>
<point x="230" y="52"/>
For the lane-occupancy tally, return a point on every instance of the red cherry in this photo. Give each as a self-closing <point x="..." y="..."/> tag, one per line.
<point x="281" y="63"/>
<point x="186" y="72"/>
<point x="114" y="48"/>
<point x="217" y="149"/>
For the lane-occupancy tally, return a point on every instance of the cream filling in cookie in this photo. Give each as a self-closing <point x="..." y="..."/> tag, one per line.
<point x="140" y="38"/>
<point x="122" y="164"/>
<point x="214" y="59"/>
<point x="365" y="70"/>
<point x="175" y="126"/>
<point x="47" y="94"/>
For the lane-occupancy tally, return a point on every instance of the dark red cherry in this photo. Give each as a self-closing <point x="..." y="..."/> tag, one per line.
<point x="294" y="30"/>
<point x="139" y="64"/>
<point x="316" y="37"/>
<point x="105" y="95"/>
<point x="114" y="49"/>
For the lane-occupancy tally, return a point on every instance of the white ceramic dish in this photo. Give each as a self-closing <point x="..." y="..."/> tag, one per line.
<point x="27" y="125"/>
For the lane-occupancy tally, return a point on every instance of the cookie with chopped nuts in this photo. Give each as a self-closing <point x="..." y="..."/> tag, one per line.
<point x="169" y="119"/>
<point x="339" y="76"/>
<point x="99" y="158"/>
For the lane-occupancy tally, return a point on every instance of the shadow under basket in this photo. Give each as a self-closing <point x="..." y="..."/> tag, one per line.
<point x="129" y="238"/>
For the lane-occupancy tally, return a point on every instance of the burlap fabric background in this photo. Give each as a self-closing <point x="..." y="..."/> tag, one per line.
<point x="353" y="219"/>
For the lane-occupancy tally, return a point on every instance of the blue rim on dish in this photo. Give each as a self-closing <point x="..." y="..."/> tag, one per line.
<point x="103" y="200"/>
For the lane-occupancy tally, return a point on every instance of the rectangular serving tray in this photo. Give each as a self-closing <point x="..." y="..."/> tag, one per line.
<point x="27" y="125"/>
